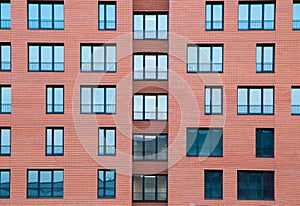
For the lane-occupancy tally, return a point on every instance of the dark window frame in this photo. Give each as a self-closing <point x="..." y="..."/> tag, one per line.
<point x="208" y="191"/>
<point x="53" y="21"/>
<point x="199" y="147"/>
<point x="260" y="149"/>
<point x="5" y="105"/>
<point x="105" y="102"/>
<point x="198" y="64"/>
<point x="104" y="183"/>
<point x="295" y="22"/>
<point x="144" y="147"/>
<point x="105" y="3"/>
<point x="4" y="62"/>
<point x="8" y="187"/>
<point x="53" y="97"/>
<point x="156" y="188"/>
<point x="53" y="62"/>
<point x="293" y="106"/>
<point x="105" y="146"/>
<point x="212" y="21"/>
<point x="262" y="63"/>
<point x="156" y="108"/>
<point x="38" y="183"/>
<point x="91" y="63"/>
<point x="211" y="105"/>
<point x="5" y="154"/>
<point x="7" y="21"/>
<point x="262" y="97"/>
<point x="53" y="153"/>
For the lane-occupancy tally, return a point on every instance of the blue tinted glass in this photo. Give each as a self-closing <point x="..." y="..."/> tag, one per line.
<point x="5" y="11"/>
<point x="33" y="13"/>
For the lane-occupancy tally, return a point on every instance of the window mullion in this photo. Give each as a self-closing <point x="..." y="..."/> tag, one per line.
<point x="40" y="57"/>
<point x="92" y="99"/>
<point x="53" y="60"/>
<point x="52" y="5"/>
<point x="144" y="66"/>
<point x="39" y="15"/>
<point x="92" y="58"/>
<point x="249" y="16"/>
<point x="248" y="101"/>
<point x="105" y="104"/>
<point x="104" y="58"/>
<point x="263" y="16"/>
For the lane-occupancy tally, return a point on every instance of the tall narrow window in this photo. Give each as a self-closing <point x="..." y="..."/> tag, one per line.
<point x="5" y="141"/>
<point x="150" y="26"/>
<point x="54" y="141"/>
<point x="256" y="16"/>
<point x="98" y="100"/>
<point x="46" y="16"/>
<point x="107" y="141"/>
<point x="98" y="58"/>
<point x="55" y="99"/>
<point x="214" y="16"/>
<point x="46" y="58"/>
<point x="5" y="57"/>
<point x="295" y="106"/>
<point x="213" y="100"/>
<point x="204" y="58"/>
<point x="107" y="16"/>
<point x="204" y="142"/>
<point x="296" y="15"/>
<point x="150" y="107"/>
<point x="213" y="184"/>
<point x="5" y="15"/>
<point x="4" y="183"/>
<point x="255" y="100"/>
<point x="106" y="183"/>
<point x="264" y="142"/>
<point x="264" y="58"/>
<point x="5" y="99"/>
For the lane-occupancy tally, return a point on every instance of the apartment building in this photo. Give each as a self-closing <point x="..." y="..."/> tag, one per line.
<point x="163" y="102"/>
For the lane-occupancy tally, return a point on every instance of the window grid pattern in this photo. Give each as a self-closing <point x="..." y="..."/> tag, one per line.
<point x="107" y="16"/>
<point x="214" y="16"/>
<point x="55" y="99"/>
<point x="5" y="99"/>
<point x="4" y="184"/>
<point x="213" y="184"/>
<point x="5" y="19"/>
<point x="54" y="141"/>
<point x="106" y="141"/>
<point x="265" y="58"/>
<point x="213" y="100"/>
<point x="5" y="57"/>
<point x="5" y="141"/>
<point x="46" y="16"/>
<point x="106" y="183"/>
<point x="265" y="143"/>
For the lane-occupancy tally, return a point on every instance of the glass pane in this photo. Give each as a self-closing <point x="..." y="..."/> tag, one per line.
<point x="110" y="58"/>
<point x="256" y="12"/>
<point x="110" y="16"/>
<point x="137" y="187"/>
<point x="32" y="176"/>
<point x="101" y="16"/>
<point x="5" y="53"/>
<point x="110" y="184"/>
<point x="162" y="107"/>
<point x="98" y="58"/>
<point x="98" y="99"/>
<point x="255" y="96"/>
<point x="192" y="147"/>
<point x="162" y="66"/>
<point x="59" y="54"/>
<point x="162" y="147"/>
<point x="296" y="11"/>
<point x="6" y="95"/>
<point x="46" y="58"/>
<point x="138" y="141"/>
<point x="162" y="188"/>
<point x="258" y="54"/>
<point x="150" y="26"/>
<point x="138" y="107"/>
<point x="162" y="26"/>
<point x="150" y="107"/>
<point x="58" y="12"/>
<point x="5" y="137"/>
<point x="243" y="12"/>
<point x="58" y="137"/>
<point x="138" y="27"/>
<point x="33" y="54"/>
<point x="86" y="52"/>
<point x="208" y="12"/>
<point x="269" y="12"/>
<point x="86" y="99"/>
<point x="49" y="137"/>
<point x="150" y="147"/>
<point x="217" y="12"/>
<point x="268" y="54"/>
<point x="207" y="100"/>
<point x="138" y="66"/>
<point x="268" y="97"/>
<point x="5" y="11"/>
<point x="46" y="16"/>
<point x="149" y="187"/>
<point x="205" y="58"/>
<point x="217" y="58"/>
<point x="150" y="67"/>
<point x="59" y="96"/>
<point x="296" y="96"/>
<point x="111" y="100"/>
<point x="242" y="97"/>
<point x="110" y="137"/>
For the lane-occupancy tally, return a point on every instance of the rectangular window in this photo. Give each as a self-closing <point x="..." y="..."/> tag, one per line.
<point x="4" y="183"/>
<point x="5" y="15"/>
<point x="106" y="183"/>
<point x="150" y="26"/>
<point x="205" y="58"/>
<point x="45" y="183"/>
<point x="98" y="58"/>
<point x="255" y="185"/>
<point x="150" y="66"/>
<point x="295" y="107"/>
<point x="152" y="188"/>
<point x="5" y="57"/>
<point x="107" y="141"/>
<point x="213" y="100"/>
<point x="150" y="107"/>
<point x="265" y="143"/>
<point x="296" y="15"/>
<point x="46" y="58"/>
<point x="150" y="147"/>
<point x="264" y="58"/>
<point x="204" y="142"/>
<point x="213" y="184"/>
<point x="214" y="16"/>
<point x="256" y="16"/>
<point x="54" y="141"/>
<point x="46" y="16"/>
<point x="5" y="141"/>
<point x="55" y="99"/>
<point x="98" y="100"/>
<point x="5" y="99"/>
<point x="255" y="100"/>
<point x="107" y="16"/>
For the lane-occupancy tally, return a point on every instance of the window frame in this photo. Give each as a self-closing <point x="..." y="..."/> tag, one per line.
<point x="1" y="101"/>
<point x="52" y="140"/>
<point x="195" y="139"/>
<point x="53" y="87"/>
<point x="105" y="3"/>
<point x="262" y="63"/>
<point x="5" y="154"/>
<point x="5" y="20"/>
<point x="39" y="56"/>
<point x="39" y="21"/>
<point x="198" y="64"/>
<point x="144" y="147"/>
<point x="104" y="183"/>
<point x="208" y="192"/>
<point x="156" y="108"/>
<point x="38" y="183"/>
<point x="293" y="106"/>
<point x="211" y="105"/>
<point x="5" y="62"/>
<point x="105" y="143"/>
<point x="9" y="186"/>
<point x="156" y="188"/>
<point x="91" y="63"/>
<point x="211" y="21"/>
<point x="259" y="144"/>
<point x="105" y="87"/>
